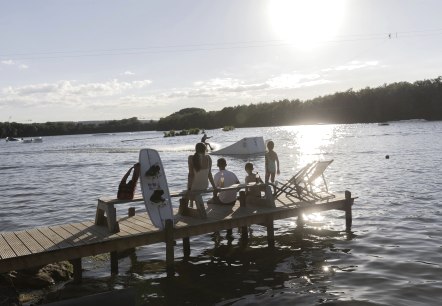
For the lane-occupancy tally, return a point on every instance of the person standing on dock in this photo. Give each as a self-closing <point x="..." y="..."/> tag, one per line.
<point x="204" y="138"/>
<point x="224" y="178"/>
<point x="271" y="162"/>
<point x="200" y="170"/>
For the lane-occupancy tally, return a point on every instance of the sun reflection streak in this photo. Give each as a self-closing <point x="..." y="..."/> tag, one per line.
<point x="314" y="217"/>
<point x="310" y="142"/>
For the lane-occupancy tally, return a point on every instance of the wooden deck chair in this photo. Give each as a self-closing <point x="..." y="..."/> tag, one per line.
<point x="314" y="185"/>
<point x="304" y="186"/>
<point x="292" y="186"/>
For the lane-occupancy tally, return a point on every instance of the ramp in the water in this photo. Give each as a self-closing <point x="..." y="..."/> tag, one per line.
<point x="246" y="146"/>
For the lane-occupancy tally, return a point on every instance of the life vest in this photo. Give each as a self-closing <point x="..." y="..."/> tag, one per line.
<point x="126" y="189"/>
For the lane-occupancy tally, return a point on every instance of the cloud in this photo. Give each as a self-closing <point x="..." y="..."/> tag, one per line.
<point x="67" y="92"/>
<point x="226" y="88"/>
<point x="14" y="64"/>
<point x="8" y="62"/>
<point x="214" y="88"/>
<point x="124" y="97"/>
<point x="353" y="65"/>
<point x="295" y="80"/>
<point x="127" y="72"/>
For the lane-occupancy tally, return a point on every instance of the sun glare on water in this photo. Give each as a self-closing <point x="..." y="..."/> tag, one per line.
<point x="304" y="23"/>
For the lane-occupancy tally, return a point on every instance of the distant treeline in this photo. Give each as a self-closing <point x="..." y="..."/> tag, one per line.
<point x="13" y="129"/>
<point x="397" y="101"/>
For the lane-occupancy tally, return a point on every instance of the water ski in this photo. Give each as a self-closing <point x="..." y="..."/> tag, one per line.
<point x="154" y="188"/>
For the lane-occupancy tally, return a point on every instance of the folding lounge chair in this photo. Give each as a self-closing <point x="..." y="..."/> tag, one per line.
<point x="310" y="185"/>
<point x="292" y="186"/>
<point x="303" y="185"/>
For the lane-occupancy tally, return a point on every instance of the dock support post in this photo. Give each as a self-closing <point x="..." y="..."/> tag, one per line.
<point x="114" y="262"/>
<point x="244" y="233"/>
<point x="348" y="213"/>
<point x="242" y="203"/>
<point x="270" y="233"/>
<point x="186" y="246"/>
<point x="169" y="248"/>
<point x="131" y="212"/>
<point x="242" y="199"/>
<point x="76" y="263"/>
<point x="300" y="221"/>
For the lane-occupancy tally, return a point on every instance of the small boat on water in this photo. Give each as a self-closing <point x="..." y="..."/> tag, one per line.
<point x="27" y="140"/>
<point x="246" y="146"/>
<point x="14" y="139"/>
<point x="33" y="140"/>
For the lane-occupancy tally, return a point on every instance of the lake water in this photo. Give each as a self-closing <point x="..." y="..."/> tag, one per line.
<point x="393" y="255"/>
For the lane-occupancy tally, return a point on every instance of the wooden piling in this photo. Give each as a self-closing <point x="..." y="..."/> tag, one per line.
<point x="270" y="233"/>
<point x="348" y="210"/>
<point x="186" y="246"/>
<point x="244" y="233"/>
<point x="169" y="248"/>
<point x="114" y="262"/>
<point x="78" y="270"/>
<point x="242" y="199"/>
<point x="242" y="203"/>
<point x="300" y="221"/>
<point x="131" y="212"/>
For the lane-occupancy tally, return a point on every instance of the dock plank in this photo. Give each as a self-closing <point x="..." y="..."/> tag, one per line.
<point x="56" y="239"/>
<point x="100" y="231"/>
<point x="76" y="235"/>
<point x="33" y="245"/>
<point x="143" y="225"/>
<point x="137" y="221"/>
<point x="66" y="234"/>
<point x="130" y="222"/>
<point x="86" y="234"/>
<point x="16" y="244"/>
<point x="144" y="218"/>
<point x="131" y="231"/>
<point x="44" y="241"/>
<point x="5" y="250"/>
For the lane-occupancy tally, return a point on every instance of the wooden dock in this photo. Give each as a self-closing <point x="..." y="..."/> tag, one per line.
<point x="44" y="245"/>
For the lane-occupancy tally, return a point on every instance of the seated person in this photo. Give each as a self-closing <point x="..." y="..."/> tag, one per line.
<point x="253" y="178"/>
<point x="224" y="178"/>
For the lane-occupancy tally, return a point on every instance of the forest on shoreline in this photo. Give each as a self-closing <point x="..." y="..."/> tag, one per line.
<point x="389" y="102"/>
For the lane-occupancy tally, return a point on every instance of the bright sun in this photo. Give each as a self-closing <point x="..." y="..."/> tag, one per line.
<point x="305" y="22"/>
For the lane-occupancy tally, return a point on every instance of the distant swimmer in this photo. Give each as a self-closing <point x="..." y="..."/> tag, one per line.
<point x="204" y="138"/>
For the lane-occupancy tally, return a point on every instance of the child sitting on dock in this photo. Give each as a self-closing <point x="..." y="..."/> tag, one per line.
<point x="252" y="178"/>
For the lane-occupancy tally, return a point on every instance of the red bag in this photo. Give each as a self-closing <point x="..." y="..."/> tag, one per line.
<point x="126" y="190"/>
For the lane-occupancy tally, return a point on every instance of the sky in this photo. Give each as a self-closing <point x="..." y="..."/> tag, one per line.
<point x="81" y="60"/>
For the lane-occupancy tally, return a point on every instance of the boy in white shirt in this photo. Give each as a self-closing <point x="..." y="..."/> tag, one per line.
<point x="224" y="178"/>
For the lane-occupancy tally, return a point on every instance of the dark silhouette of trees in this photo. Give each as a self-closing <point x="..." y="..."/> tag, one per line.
<point x="13" y="129"/>
<point x="396" y="101"/>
